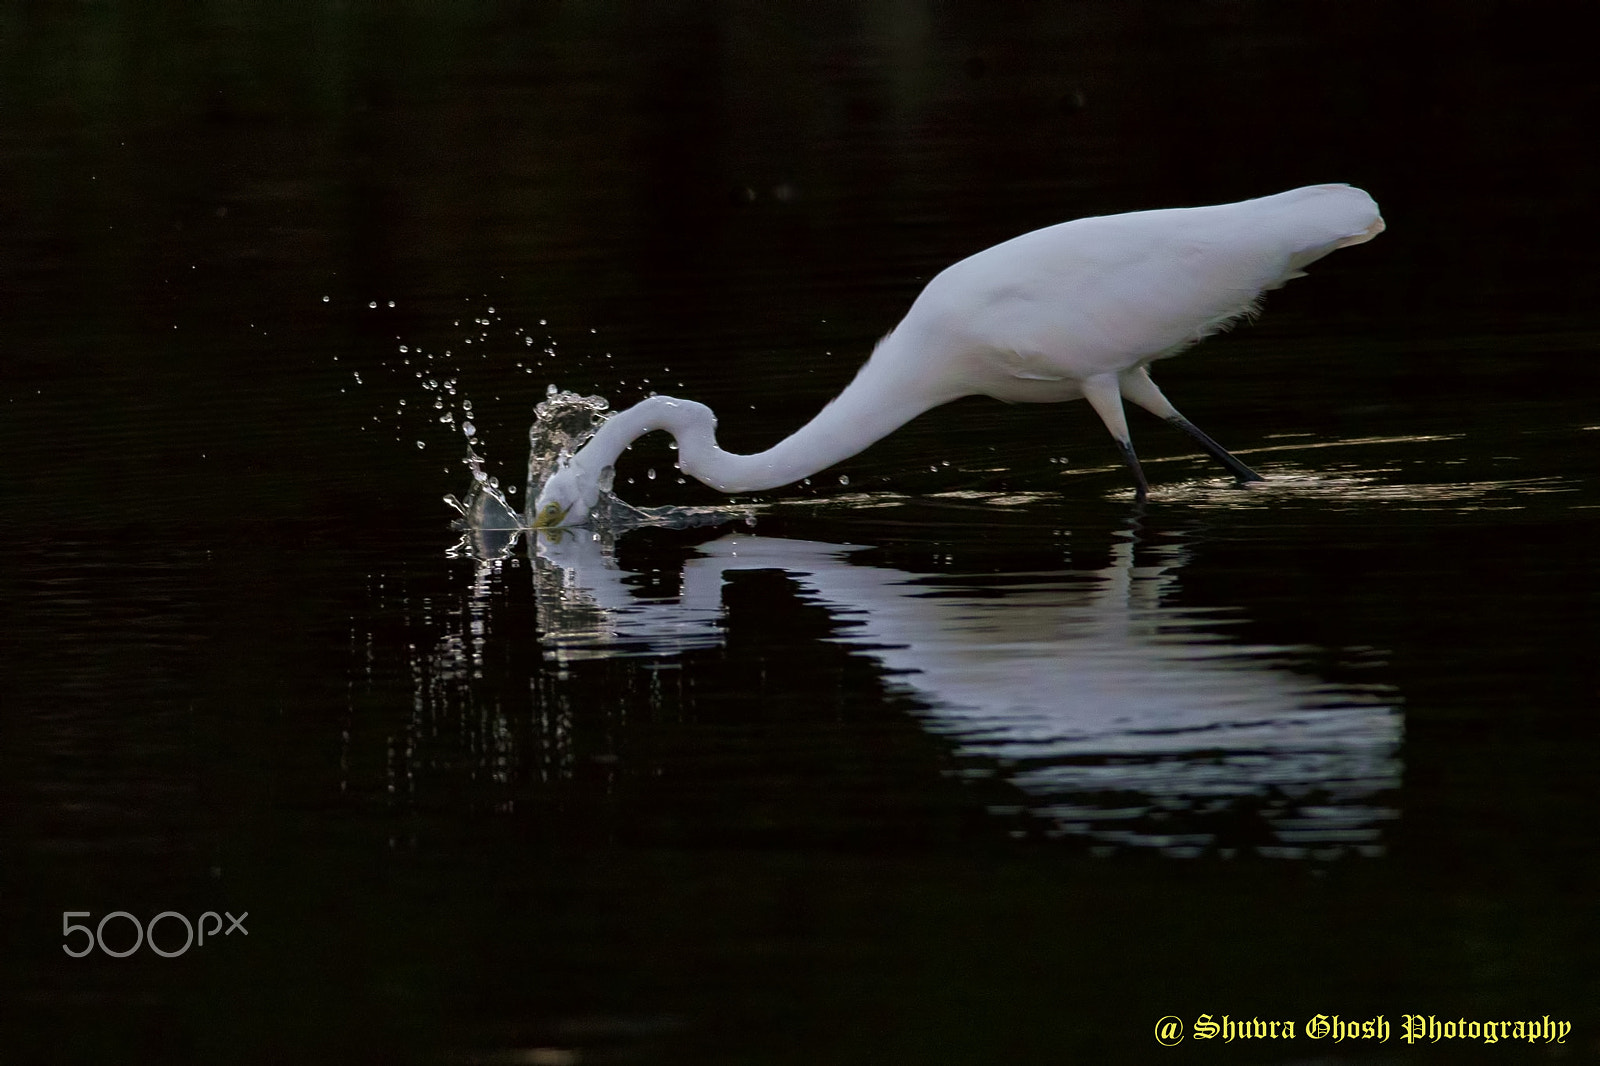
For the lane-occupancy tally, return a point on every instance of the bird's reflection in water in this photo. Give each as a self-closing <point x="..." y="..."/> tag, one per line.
<point x="1117" y="716"/>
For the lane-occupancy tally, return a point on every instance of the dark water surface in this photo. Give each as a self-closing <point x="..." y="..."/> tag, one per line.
<point x="953" y="754"/>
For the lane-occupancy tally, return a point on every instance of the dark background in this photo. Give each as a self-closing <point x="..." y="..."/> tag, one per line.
<point x="224" y="550"/>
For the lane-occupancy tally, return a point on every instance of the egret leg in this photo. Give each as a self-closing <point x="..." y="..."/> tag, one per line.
<point x="1218" y="452"/>
<point x="1105" y="396"/>
<point x="1141" y="487"/>
<point x="1136" y="385"/>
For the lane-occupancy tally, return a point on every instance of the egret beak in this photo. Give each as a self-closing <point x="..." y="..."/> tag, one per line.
<point x="551" y="516"/>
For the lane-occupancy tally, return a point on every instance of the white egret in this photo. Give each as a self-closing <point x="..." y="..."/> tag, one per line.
<point x="1075" y="310"/>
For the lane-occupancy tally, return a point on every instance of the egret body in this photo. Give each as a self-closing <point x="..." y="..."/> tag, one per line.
<point x="1073" y="311"/>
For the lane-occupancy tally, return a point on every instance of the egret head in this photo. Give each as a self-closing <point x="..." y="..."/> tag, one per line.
<point x="567" y="499"/>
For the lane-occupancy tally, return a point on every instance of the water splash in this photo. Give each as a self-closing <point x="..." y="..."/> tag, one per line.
<point x="490" y="527"/>
<point x="563" y="423"/>
<point x="485" y="507"/>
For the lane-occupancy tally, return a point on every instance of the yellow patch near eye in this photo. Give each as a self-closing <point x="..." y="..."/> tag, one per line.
<point x="551" y="516"/>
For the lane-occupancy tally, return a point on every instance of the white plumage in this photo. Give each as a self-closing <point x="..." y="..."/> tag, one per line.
<point x="1075" y="310"/>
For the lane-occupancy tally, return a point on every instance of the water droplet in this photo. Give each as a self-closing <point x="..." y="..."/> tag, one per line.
<point x="844" y="479"/>
<point x="469" y="429"/>
<point x="422" y="444"/>
<point x="404" y="348"/>
<point x="325" y="299"/>
<point x="550" y="390"/>
<point x="542" y="322"/>
<point x="651" y="473"/>
<point x="391" y="303"/>
<point x="491" y="310"/>
<point x="374" y="303"/>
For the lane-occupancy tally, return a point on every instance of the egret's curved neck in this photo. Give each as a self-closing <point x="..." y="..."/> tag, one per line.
<point x="885" y="395"/>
